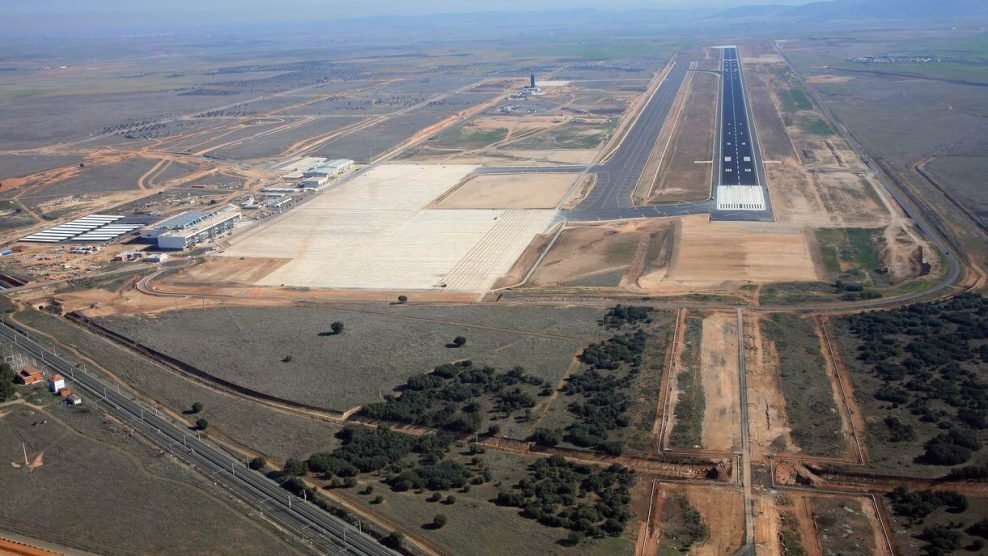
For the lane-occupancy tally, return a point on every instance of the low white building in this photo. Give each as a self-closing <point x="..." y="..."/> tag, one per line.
<point x="208" y="229"/>
<point x="55" y="383"/>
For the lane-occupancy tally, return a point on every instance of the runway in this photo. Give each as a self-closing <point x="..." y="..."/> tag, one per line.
<point x="739" y="186"/>
<point x="736" y="155"/>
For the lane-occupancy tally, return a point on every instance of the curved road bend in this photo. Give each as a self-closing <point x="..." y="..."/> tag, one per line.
<point x="326" y="532"/>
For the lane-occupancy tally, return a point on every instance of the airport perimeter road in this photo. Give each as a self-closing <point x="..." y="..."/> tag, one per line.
<point x="618" y="176"/>
<point x="326" y="533"/>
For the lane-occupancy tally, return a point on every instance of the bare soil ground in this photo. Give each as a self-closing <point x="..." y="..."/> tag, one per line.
<point x="722" y="509"/>
<point x="719" y="379"/>
<point x="102" y="490"/>
<point x="710" y="254"/>
<point x="679" y="177"/>
<point x="605" y="255"/>
<point x="509" y="191"/>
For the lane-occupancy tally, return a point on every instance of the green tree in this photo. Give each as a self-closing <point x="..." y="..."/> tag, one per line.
<point x="295" y="467"/>
<point x="459" y="341"/>
<point x="402" y="299"/>
<point x="439" y="521"/>
<point x="197" y="407"/>
<point x="257" y="463"/>
<point x="395" y="540"/>
<point x="202" y="424"/>
<point x="337" y="327"/>
<point x="7" y="389"/>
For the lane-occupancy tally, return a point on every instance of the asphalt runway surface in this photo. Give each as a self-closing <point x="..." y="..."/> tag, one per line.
<point x="611" y="196"/>
<point x="737" y="160"/>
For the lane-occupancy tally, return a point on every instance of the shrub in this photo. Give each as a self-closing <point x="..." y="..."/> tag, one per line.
<point x="257" y="463"/>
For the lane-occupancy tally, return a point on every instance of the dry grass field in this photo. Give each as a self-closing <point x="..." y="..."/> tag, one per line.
<point x="679" y="176"/>
<point x="102" y="490"/>
<point x="379" y="348"/>
<point x="274" y="434"/>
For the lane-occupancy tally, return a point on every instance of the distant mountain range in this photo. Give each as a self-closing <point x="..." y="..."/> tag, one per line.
<point x="861" y="9"/>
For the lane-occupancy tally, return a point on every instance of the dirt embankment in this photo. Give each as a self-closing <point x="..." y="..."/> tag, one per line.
<point x="719" y="379"/>
<point x="768" y="424"/>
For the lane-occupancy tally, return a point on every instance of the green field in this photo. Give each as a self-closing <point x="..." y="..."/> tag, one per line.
<point x="805" y="385"/>
<point x="688" y="428"/>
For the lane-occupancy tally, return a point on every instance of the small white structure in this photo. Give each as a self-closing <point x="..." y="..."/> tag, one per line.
<point x="72" y="399"/>
<point x="56" y="382"/>
<point x="156" y="258"/>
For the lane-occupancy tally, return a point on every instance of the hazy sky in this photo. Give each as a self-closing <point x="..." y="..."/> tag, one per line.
<point x="293" y="9"/>
<point x="86" y="17"/>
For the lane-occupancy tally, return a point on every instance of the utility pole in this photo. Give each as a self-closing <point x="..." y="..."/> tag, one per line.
<point x="24" y="448"/>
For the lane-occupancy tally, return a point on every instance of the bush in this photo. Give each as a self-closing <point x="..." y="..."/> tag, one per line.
<point x="337" y="327"/>
<point x="295" y="467"/>
<point x="546" y="437"/>
<point x="395" y="540"/>
<point x="439" y="521"/>
<point x="202" y="424"/>
<point x="196" y="407"/>
<point x="402" y="299"/>
<point x="459" y="341"/>
<point x="257" y="463"/>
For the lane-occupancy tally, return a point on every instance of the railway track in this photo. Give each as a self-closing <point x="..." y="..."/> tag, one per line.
<point x="323" y="532"/>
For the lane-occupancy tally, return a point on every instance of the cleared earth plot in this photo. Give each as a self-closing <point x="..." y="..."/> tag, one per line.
<point x="712" y="253"/>
<point x="510" y="191"/>
<point x="374" y="232"/>
<point x="377" y="350"/>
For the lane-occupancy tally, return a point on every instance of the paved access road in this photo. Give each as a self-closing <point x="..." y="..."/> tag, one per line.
<point x="327" y="533"/>
<point x="619" y="175"/>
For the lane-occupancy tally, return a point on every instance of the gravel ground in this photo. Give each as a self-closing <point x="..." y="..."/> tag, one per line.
<point x="375" y="353"/>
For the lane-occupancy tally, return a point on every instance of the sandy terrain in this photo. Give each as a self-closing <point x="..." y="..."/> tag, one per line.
<point x="835" y="79"/>
<point x="223" y="270"/>
<point x="719" y="378"/>
<point x="722" y="509"/>
<point x="714" y="253"/>
<point x="767" y="407"/>
<point x="510" y="191"/>
<point x="607" y="251"/>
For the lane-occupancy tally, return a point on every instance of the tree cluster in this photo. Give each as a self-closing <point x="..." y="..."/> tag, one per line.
<point x="620" y="315"/>
<point x="930" y="359"/>
<point x="602" y="401"/>
<point x="455" y="396"/>
<point x="364" y="450"/>
<point x="918" y="505"/>
<point x="583" y="498"/>
<point x="7" y="389"/>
